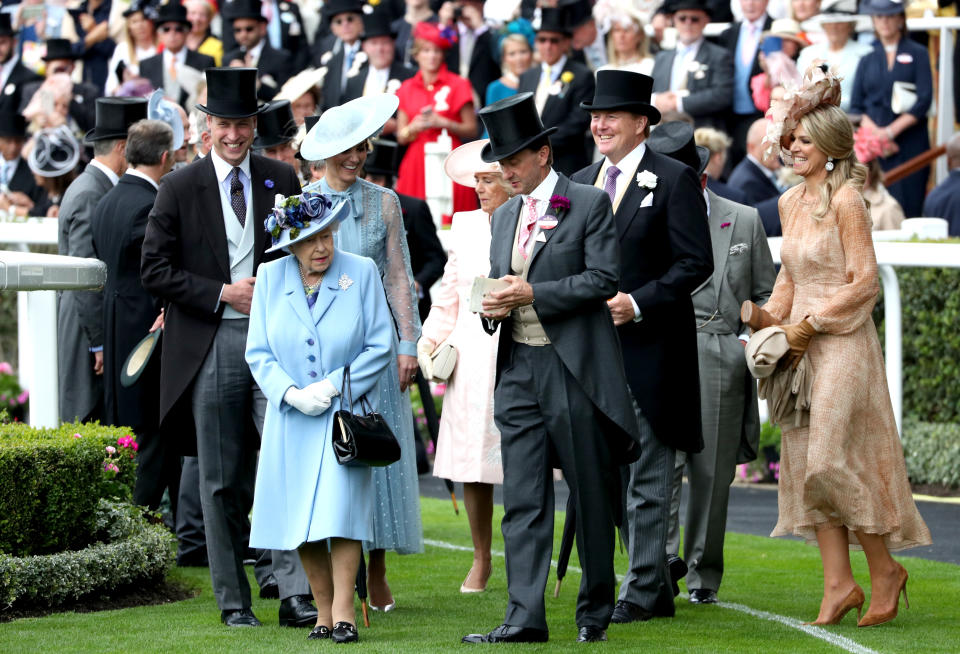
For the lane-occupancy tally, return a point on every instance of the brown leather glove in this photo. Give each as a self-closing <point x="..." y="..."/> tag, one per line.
<point x="798" y="338"/>
<point x="756" y="318"/>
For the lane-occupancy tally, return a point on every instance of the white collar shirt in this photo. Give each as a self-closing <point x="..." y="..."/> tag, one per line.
<point x="5" y="71"/>
<point x="142" y="175"/>
<point x="376" y="81"/>
<point x="542" y="195"/>
<point x="255" y="52"/>
<point x="628" y="168"/>
<point x="223" y="171"/>
<point x="112" y="176"/>
<point x="8" y="169"/>
<point x="555" y="69"/>
<point x="179" y="57"/>
<point x="681" y="63"/>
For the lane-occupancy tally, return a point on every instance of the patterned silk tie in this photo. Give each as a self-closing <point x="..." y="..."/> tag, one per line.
<point x="237" y="200"/>
<point x="527" y="228"/>
<point x="610" y="185"/>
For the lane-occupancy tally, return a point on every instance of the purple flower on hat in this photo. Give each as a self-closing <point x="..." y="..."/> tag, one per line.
<point x="268" y="183"/>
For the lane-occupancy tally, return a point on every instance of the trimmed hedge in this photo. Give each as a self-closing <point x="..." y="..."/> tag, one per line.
<point x="51" y="480"/>
<point x="932" y="452"/>
<point x="130" y="551"/>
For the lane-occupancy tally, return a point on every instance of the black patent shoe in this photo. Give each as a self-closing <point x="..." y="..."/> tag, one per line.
<point x="344" y="632"/>
<point x="297" y="611"/>
<point x="319" y="632"/>
<point x="591" y="634"/>
<point x="678" y="570"/>
<point x="703" y="596"/>
<point x="239" y="618"/>
<point x="508" y="634"/>
<point x="625" y="612"/>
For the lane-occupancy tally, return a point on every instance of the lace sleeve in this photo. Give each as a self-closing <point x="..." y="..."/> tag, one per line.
<point x="398" y="276"/>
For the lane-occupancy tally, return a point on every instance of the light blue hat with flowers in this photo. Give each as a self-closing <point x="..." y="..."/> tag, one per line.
<point x="298" y="217"/>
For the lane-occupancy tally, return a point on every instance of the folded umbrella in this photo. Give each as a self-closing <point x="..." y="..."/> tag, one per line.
<point x="566" y="541"/>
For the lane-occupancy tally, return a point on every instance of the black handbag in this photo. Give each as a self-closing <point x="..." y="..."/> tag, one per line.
<point x="362" y="439"/>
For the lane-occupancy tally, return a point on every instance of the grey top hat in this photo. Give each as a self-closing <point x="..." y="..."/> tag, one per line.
<point x="675" y="139"/>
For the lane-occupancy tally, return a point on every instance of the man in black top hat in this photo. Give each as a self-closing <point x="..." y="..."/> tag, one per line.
<point x="587" y="41"/>
<point x="561" y="396"/>
<point x="340" y="52"/>
<point x="253" y="49"/>
<point x="176" y="68"/>
<point x="276" y="131"/>
<point x="203" y="243"/>
<point x="697" y="76"/>
<point x="474" y="55"/>
<point x="60" y="58"/>
<point x="381" y="72"/>
<point x="284" y="30"/>
<point x="18" y="189"/>
<point x="559" y="85"/>
<point x="80" y="313"/>
<point x="662" y="228"/>
<point x="13" y="74"/>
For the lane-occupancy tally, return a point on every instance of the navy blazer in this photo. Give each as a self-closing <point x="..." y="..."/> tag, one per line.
<point x="756" y="187"/>
<point x="944" y="202"/>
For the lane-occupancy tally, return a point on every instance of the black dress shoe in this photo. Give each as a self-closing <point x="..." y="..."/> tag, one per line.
<point x="239" y="618"/>
<point x="344" y="632"/>
<point x="297" y="611"/>
<point x="703" y="596"/>
<point x="194" y="559"/>
<point x="508" y="634"/>
<point x="678" y="570"/>
<point x="625" y="612"/>
<point x="319" y="632"/>
<point x="270" y="591"/>
<point x="591" y="634"/>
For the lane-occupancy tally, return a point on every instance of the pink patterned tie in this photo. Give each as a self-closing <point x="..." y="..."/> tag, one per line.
<point x="527" y="227"/>
<point x="610" y="186"/>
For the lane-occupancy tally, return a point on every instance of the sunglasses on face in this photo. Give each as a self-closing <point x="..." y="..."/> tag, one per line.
<point x="242" y="30"/>
<point x="182" y="29"/>
<point x="555" y="40"/>
<point x="687" y="18"/>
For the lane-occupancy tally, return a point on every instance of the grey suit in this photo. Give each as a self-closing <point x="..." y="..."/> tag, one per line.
<point x="565" y="404"/>
<point x="743" y="270"/>
<point x="710" y="87"/>
<point x="80" y="313"/>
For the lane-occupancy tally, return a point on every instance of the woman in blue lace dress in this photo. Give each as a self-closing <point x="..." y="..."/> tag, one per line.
<point x="375" y="229"/>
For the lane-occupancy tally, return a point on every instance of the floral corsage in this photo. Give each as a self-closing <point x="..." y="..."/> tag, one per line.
<point x="295" y="213"/>
<point x="647" y="180"/>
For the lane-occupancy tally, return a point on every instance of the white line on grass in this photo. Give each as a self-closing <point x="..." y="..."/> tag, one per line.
<point x="842" y="642"/>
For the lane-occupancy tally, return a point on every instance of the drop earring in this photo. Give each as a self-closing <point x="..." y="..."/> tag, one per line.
<point x="829" y="165"/>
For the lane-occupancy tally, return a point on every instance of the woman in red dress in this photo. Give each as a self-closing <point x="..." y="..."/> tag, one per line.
<point x="433" y="100"/>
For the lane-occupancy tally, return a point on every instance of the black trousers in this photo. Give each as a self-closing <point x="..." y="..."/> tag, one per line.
<point x="546" y="420"/>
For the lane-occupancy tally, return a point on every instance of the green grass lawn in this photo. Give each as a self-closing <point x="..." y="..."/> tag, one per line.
<point x="775" y="576"/>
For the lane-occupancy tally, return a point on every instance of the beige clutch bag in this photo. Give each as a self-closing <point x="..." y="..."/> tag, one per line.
<point x="444" y="360"/>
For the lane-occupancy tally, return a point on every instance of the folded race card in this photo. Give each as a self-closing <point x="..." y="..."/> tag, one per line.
<point x="482" y="287"/>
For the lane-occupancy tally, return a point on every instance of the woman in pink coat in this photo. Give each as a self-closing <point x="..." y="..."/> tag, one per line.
<point x="468" y="449"/>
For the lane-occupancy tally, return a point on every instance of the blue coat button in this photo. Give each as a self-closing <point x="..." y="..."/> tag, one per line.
<point x="312" y="373"/>
<point x="311" y="358"/>
<point x="309" y="341"/>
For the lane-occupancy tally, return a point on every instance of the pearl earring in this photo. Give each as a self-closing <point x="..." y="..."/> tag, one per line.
<point x="829" y="165"/>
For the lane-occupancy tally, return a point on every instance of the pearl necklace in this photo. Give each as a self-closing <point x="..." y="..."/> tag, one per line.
<point x="307" y="288"/>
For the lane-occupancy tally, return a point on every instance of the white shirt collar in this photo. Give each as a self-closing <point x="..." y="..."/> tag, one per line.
<point x="555" y="68"/>
<point x="223" y="169"/>
<point x="630" y="162"/>
<point x="112" y="176"/>
<point x="142" y="175"/>
<point x="706" y="197"/>
<point x="766" y="171"/>
<point x="463" y="29"/>
<point x="181" y="56"/>
<point x="7" y="68"/>
<point x="257" y="50"/>
<point x="693" y="47"/>
<point x="756" y="23"/>
<point x="544" y="191"/>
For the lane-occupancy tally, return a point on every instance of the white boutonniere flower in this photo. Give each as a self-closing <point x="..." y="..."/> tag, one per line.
<point x="393" y="85"/>
<point x="647" y="180"/>
<point x="358" y="60"/>
<point x="325" y="59"/>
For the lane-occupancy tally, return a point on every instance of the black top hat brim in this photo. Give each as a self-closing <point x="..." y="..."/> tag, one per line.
<point x="220" y="114"/>
<point x="490" y="154"/>
<point x="103" y="135"/>
<point x="138" y="359"/>
<point x="688" y="5"/>
<point x="641" y="108"/>
<point x="704" y="155"/>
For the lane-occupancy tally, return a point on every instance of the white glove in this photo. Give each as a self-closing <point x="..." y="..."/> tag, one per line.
<point x="306" y="401"/>
<point x="323" y="390"/>
<point x="425" y="348"/>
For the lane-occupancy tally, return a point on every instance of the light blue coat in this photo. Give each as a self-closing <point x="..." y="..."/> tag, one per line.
<point x="302" y="493"/>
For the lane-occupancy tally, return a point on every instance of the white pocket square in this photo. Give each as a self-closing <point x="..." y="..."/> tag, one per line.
<point x="647" y="200"/>
<point x="541" y="238"/>
<point x="739" y="248"/>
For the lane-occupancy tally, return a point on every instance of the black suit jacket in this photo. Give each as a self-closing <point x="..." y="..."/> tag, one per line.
<point x="710" y="88"/>
<point x="756" y="187"/>
<point x="152" y="69"/>
<point x="332" y="82"/>
<point x="665" y="255"/>
<point x="24" y="182"/>
<point x="483" y="66"/>
<point x="769" y="211"/>
<point x="427" y="256"/>
<point x="726" y="191"/>
<point x="356" y="83"/>
<point x="185" y="263"/>
<point x="292" y="37"/>
<point x="570" y="141"/>
<point x="118" y="226"/>
<point x="18" y="78"/>
<point x="274" y="67"/>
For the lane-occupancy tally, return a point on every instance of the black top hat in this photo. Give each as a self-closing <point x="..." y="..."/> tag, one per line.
<point x="378" y="23"/>
<point x="624" y="91"/>
<point x="513" y="124"/>
<point x="334" y="7"/>
<point x="115" y="116"/>
<point x="577" y="12"/>
<point x="275" y="125"/>
<point x="171" y="12"/>
<point x="234" y="9"/>
<point x="691" y="5"/>
<point x="59" y="49"/>
<point x="12" y="125"/>
<point x="231" y="93"/>
<point x="554" y="20"/>
<point x="383" y="160"/>
<point x="6" y="28"/>
<point x="675" y="139"/>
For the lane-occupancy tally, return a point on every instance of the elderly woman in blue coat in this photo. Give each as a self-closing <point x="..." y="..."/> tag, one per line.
<point x="315" y="312"/>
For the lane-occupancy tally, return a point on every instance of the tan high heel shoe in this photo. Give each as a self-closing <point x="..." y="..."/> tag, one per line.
<point x="854" y="600"/>
<point x="873" y="619"/>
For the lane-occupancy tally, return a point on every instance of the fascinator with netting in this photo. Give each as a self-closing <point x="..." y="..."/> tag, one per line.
<point x="819" y="86"/>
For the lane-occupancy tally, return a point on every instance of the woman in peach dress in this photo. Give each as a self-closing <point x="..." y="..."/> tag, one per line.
<point x="468" y="447"/>
<point x="843" y="480"/>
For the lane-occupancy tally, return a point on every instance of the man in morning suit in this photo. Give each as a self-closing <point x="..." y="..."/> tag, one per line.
<point x="559" y="85"/>
<point x="19" y="190"/>
<point x="249" y="27"/>
<point x="697" y="76"/>
<point x="561" y="397"/>
<point x="165" y="70"/>
<point x="61" y="58"/>
<point x="203" y="243"/>
<point x="661" y="224"/>
<point x="130" y="313"/>
<point x="743" y="270"/>
<point x="381" y="72"/>
<point x="13" y="74"/>
<point x="80" y="313"/>
<point x="755" y="176"/>
<point x="944" y="200"/>
<point x="341" y="55"/>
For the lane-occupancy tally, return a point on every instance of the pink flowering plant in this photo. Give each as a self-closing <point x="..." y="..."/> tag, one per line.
<point x="12" y="397"/>
<point x="119" y="459"/>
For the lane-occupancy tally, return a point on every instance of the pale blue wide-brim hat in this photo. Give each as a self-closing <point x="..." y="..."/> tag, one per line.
<point x="342" y="127"/>
<point x="167" y="112"/>
<point x="324" y="215"/>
